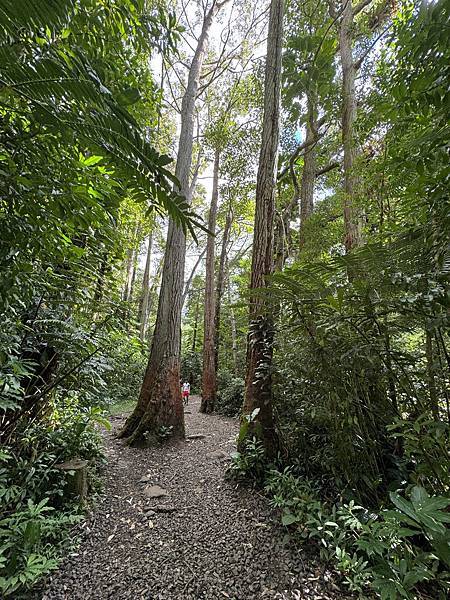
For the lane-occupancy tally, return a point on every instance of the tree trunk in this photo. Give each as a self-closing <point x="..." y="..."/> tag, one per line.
<point x="132" y="280"/>
<point x="133" y="274"/>
<point x="195" y="331"/>
<point x="432" y="389"/>
<point x="209" y="383"/>
<point x="220" y="281"/>
<point x="309" y="170"/>
<point x="257" y="410"/>
<point x="233" y="331"/>
<point x="188" y="283"/>
<point x="144" y="302"/>
<point x="151" y="297"/>
<point x="129" y="266"/>
<point x="352" y="217"/>
<point x="160" y="402"/>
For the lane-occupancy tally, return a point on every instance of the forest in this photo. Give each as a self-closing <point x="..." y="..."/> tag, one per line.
<point x="251" y="198"/>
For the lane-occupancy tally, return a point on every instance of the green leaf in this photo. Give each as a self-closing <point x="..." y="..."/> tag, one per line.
<point x="418" y="495"/>
<point x="403" y="505"/>
<point x="288" y="519"/>
<point x="129" y="96"/>
<point x="91" y="160"/>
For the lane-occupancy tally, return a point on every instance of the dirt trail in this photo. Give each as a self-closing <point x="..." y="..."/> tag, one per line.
<point x="206" y="539"/>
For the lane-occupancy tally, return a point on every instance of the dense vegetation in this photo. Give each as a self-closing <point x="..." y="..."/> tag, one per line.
<point x="346" y="419"/>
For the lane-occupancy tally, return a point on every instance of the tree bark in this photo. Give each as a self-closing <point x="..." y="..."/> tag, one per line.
<point x="209" y="383"/>
<point x="133" y="273"/>
<point x="257" y="417"/>
<point x="160" y="402"/>
<point x="352" y="216"/>
<point x="144" y="302"/>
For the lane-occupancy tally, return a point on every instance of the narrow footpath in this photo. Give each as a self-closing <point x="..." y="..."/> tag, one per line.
<point x="170" y="526"/>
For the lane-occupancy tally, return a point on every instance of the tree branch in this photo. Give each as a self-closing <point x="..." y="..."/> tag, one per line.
<point x="359" y="62"/>
<point x="191" y="276"/>
<point x="359" y="7"/>
<point x="329" y="167"/>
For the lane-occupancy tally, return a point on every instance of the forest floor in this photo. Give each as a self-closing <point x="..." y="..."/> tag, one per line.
<point x="207" y="538"/>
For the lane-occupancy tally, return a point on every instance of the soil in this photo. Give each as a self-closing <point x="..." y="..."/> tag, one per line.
<point x="171" y="526"/>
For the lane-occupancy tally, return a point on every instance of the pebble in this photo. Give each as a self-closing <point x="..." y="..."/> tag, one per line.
<point x="219" y="549"/>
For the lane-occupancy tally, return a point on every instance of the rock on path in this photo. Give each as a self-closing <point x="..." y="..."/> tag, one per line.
<point x="202" y="537"/>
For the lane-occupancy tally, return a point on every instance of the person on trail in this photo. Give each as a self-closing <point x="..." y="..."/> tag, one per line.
<point x="186" y="392"/>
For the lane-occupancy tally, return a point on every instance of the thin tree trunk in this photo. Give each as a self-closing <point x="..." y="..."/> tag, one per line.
<point x="258" y="415"/>
<point x="352" y="217"/>
<point x="133" y="274"/>
<point x="160" y="402"/>
<point x="195" y="331"/>
<point x="434" y="404"/>
<point x="220" y="281"/>
<point x="209" y="382"/>
<point x="188" y="283"/>
<point x="129" y="266"/>
<point x="233" y="331"/>
<point x="128" y="309"/>
<point x="280" y="240"/>
<point x="143" y="304"/>
<point x="309" y="170"/>
<point x="153" y="291"/>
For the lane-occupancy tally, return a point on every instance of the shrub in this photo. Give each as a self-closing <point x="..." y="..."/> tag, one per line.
<point x="249" y="463"/>
<point x="125" y="363"/>
<point x="230" y="395"/>
<point x="36" y="515"/>
<point x="391" y="552"/>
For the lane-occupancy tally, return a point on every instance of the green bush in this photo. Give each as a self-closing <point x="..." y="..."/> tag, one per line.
<point x="36" y="513"/>
<point x="125" y="364"/>
<point x="230" y="394"/>
<point x="250" y="462"/>
<point x="393" y="552"/>
<point x="30" y="544"/>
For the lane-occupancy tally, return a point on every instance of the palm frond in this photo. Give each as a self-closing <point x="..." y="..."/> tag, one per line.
<point x="19" y="16"/>
<point x="63" y="91"/>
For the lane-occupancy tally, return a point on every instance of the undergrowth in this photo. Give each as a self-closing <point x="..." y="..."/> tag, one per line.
<point x="400" y="550"/>
<point x="38" y="513"/>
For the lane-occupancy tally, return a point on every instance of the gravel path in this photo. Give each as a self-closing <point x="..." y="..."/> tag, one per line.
<point x="206" y="539"/>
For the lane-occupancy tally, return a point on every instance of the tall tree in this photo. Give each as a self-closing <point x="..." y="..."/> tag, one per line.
<point x="309" y="165"/>
<point x="209" y="386"/>
<point x="159" y="402"/>
<point x="257" y="410"/>
<point x="130" y="263"/>
<point x="221" y="279"/>
<point x="224" y="130"/>
<point x="352" y="220"/>
<point x="309" y="95"/>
